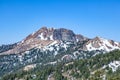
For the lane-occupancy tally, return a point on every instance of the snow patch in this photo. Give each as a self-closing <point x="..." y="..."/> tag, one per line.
<point x="52" y="62"/>
<point x="20" y="58"/>
<point x="114" y="65"/>
<point x="41" y="36"/>
<point x="51" y="37"/>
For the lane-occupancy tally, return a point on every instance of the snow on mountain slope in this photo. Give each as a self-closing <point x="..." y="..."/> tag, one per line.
<point x="101" y="44"/>
<point x="114" y="65"/>
<point x="55" y="47"/>
<point x="46" y="37"/>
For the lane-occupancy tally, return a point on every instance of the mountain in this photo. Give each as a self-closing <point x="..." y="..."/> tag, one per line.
<point x="101" y="44"/>
<point x="51" y="47"/>
<point x="55" y="34"/>
<point x="45" y="36"/>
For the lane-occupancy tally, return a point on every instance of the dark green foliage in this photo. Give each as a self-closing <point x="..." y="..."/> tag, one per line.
<point x="7" y="47"/>
<point x="80" y="69"/>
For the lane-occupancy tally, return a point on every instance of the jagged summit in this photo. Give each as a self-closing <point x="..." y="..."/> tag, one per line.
<point x="44" y="37"/>
<point x="55" y="34"/>
<point x="99" y="43"/>
<point x="47" y="36"/>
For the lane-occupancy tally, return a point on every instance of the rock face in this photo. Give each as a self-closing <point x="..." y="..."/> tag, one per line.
<point x="64" y="34"/>
<point x="55" y="34"/>
<point x="42" y="34"/>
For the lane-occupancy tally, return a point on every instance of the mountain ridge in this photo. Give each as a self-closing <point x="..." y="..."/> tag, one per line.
<point x="46" y="36"/>
<point x="63" y="34"/>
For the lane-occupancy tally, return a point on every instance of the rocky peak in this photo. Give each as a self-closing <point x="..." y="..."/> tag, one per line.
<point x="99" y="43"/>
<point x="44" y="37"/>
<point x="55" y="34"/>
<point x="97" y="39"/>
<point x="42" y="34"/>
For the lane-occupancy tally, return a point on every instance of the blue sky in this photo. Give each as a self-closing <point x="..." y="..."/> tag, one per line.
<point x="91" y="18"/>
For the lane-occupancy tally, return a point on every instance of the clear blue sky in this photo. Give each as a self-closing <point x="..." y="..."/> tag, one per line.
<point x="91" y="18"/>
